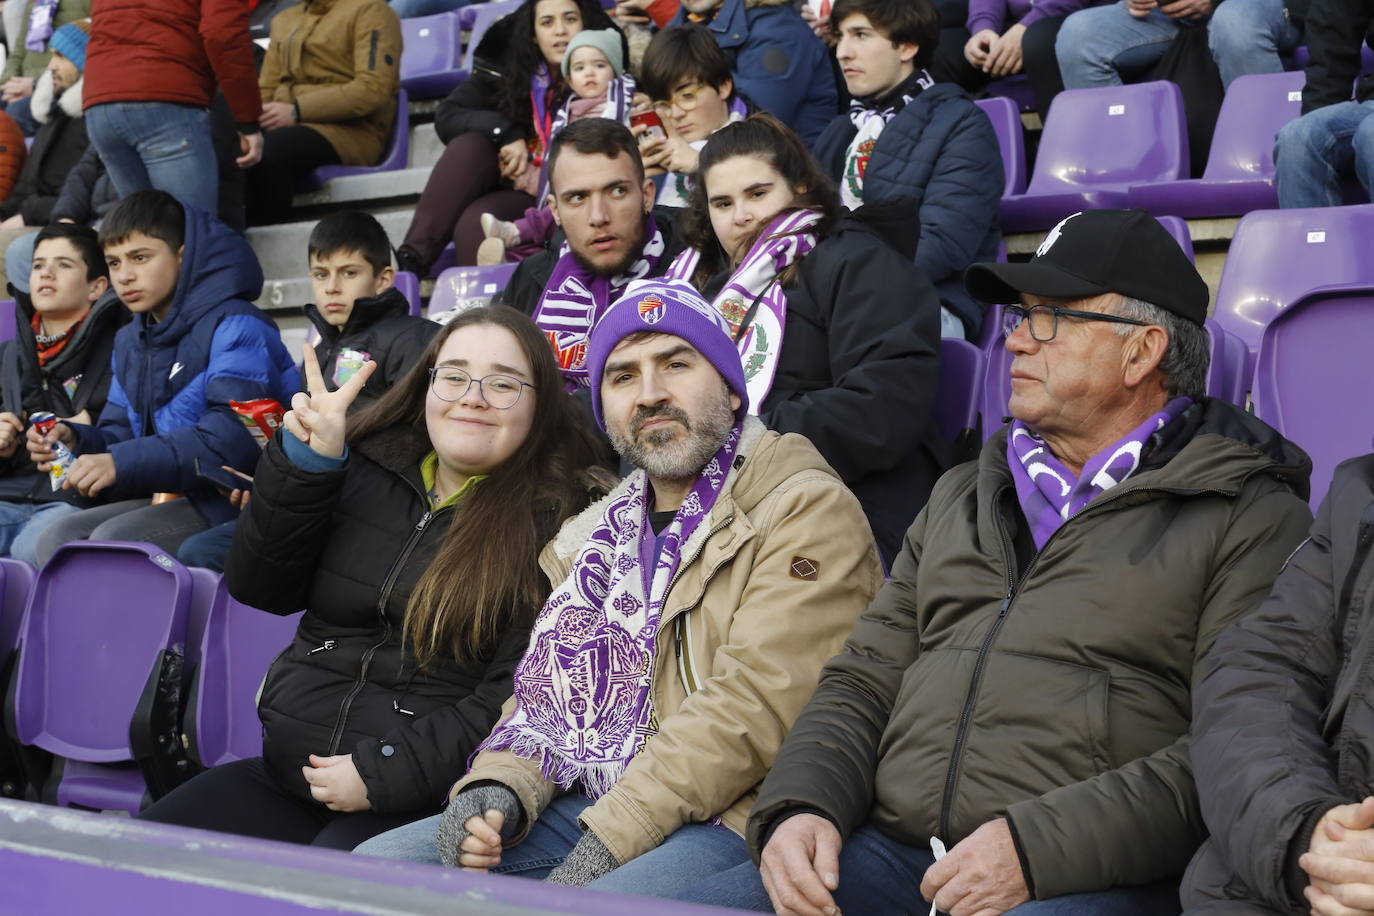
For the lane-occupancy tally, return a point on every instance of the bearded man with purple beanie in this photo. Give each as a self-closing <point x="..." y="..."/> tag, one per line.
<point x="692" y="610"/>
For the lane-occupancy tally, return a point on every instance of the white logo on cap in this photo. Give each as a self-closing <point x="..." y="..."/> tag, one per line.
<point x="1053" y="237"/>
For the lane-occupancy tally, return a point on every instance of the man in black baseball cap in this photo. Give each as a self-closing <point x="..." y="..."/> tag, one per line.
<point x="1021" y="690"/>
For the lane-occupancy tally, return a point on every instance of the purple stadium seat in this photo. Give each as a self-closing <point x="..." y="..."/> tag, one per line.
<point x="1006" y="121"/>
<point x="1240" y="167"/>
<point x="408" y="285"/>
<point x="475" y="19"/>
<point x="1226" y="377"/>
<point x="102" y="619"/>
<point x="16" y="581"/>
<point x="961" y="390"/>
<point x="6" y="320"/>
<point x="1179" y="230"/>
<point x="432" y="62"/>
<point x="238" y="645"/>
<point x="1313" y="375"/>
<point x="1278" y="255"/>
<point x="1097" y="143"/>
<point x="394" y="157"/>
<point x="462" y="288"/>
<point x="1016" y="88"/>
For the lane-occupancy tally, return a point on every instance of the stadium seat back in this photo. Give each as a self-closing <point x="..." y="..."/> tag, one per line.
<point x="432" y="62"/>
<point x="1314" y="374"/>
<point x="1226" y="377"/>
<point x="1278" y="255"/>
<point x="462" y="288"/>
<point x="1006" y="121"/>
<point x="16" y="582"/>
<point x="394" y="156"/>
<point x="962" y="368"/>
<point x="7" y="320"/>
<point x="476" y="18"/>
<point x="408" y="285"/>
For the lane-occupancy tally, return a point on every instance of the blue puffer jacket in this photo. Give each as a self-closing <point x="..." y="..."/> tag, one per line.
<point x="174" y="379"/>
<point x="777" y="63"/>
<point x="940" y="151"/>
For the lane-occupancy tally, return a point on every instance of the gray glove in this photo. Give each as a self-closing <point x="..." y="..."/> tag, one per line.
<point x="589" y="860"/>
<point x="474" y="801"/>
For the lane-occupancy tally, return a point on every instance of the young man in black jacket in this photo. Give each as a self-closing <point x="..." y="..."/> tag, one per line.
<point x="58" y="362"/>
<point x="1335" y="135"/>
<point x="360" y="316"/>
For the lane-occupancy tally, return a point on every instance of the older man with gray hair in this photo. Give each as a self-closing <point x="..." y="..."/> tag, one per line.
<point x="1019" y="692"/>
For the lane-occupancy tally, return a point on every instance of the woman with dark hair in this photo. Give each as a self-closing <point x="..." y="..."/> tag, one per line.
<point x="412" y="542"/>
<point x="496" y="125"/>
<point x="838" y="330"/>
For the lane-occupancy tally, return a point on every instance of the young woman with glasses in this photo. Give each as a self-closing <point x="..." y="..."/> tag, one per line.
<point x="410" y="535"/>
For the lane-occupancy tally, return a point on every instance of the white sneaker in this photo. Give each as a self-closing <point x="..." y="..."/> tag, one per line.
<point x="494" y="228"/>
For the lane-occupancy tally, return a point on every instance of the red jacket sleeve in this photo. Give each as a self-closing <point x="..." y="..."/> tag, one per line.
<point x="224" y="32"/>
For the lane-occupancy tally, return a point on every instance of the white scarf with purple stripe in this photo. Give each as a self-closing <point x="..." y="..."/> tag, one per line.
<point x="1050" y="494"/>
<point x="583" y="700"/>
<point x="787" y="240"/>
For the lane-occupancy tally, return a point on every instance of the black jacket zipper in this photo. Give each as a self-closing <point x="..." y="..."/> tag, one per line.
<point x="387" y="585"/>
<point x="985" y="648"/>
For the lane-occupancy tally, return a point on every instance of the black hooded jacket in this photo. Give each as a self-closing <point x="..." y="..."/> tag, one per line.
<point x="77" y="379"/>
<point x="381" y="327"/>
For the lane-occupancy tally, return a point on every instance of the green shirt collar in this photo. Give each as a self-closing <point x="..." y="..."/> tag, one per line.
<point x="429" y="469"/>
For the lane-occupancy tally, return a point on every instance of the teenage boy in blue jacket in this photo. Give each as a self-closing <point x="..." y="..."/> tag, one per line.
<point x="907" y="137"/>
<point x="196" y="343"/>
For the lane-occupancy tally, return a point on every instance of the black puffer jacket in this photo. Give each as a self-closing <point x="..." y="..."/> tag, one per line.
<point x="860" y="364"/>
<point x="380" y="326"/>
<point x="1283" y="720"/>
<point x="25" y="387"/>
<point x="349" y="546"/>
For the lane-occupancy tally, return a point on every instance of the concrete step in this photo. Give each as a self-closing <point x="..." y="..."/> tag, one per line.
<point x="371" y="188"/>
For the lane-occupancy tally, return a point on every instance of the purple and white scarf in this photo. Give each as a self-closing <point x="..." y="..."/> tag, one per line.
<point x="574" y="300"/>
<point x="617" y="108"/>
<point x="40" y="25"/>
<point x="583" y="691"/>
<point x="677" y="186"/>
<point x="870" y="122"/>
<point x="1050" y="494"/>
<point x="787" y="240"/>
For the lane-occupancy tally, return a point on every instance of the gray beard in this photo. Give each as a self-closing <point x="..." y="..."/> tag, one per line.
<point x="665" y="459"/>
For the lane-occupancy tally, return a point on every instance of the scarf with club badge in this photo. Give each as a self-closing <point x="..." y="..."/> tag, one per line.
<point x="870" y="122"/>
<point x="574" y="300"/>
<point x="583" y="704"/>
<point x="1050" y="494"/>
<point x="753" y="287"/>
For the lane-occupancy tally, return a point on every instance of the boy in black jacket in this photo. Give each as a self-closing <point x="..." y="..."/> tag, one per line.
<point x="58" y="362"/>
<point x="360" y="316"/>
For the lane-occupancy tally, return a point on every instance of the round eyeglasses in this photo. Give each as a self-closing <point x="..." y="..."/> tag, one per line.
<point x="687" y="99"/>
<point x="1044" y="320"/>
<point x="499" y="391"/>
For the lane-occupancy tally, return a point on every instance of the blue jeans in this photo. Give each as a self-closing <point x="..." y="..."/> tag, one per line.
<point x="1315" y="152"/>
<point x="157" y="145"/>
<point x="409" y="9"/>
<point x="692" y="854"/>
<point x="1247" y="36"/>
<point x="880" y="875"/>
<point x="1095" y="46"/>
<point x="21" y="523"/>
<point x="210" y="548"/>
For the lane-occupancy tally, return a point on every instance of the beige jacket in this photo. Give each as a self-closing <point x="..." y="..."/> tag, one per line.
<point x="768" y="589"/>
<point x="340" y="62"/>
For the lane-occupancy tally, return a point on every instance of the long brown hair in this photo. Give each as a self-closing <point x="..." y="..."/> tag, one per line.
<point x="485" y="574"/>
<point x="765" y="137"/>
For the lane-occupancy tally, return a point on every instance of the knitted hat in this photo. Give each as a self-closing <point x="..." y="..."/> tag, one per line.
<point x="665" y="307"/>
<point x="70" y="41"/>
<point x="607" y="41"/>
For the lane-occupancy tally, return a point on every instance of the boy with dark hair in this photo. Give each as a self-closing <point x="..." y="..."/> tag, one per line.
<point x="196" y="343"/>
<point x="688" y="76"/>
<point x="906" y="137"/>
<point x="360" y="316"/>
<point x="58" y="363"/>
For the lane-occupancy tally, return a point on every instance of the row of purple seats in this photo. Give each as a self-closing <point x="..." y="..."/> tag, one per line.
<point x="436" y="59"/>
<point x="100" y="673"/>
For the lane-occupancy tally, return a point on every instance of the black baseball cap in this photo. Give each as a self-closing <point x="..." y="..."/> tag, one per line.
<point x="1096" y="252"/>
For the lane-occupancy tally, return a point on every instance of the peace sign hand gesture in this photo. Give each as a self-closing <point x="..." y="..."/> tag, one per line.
<point x="319" y="418"/>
